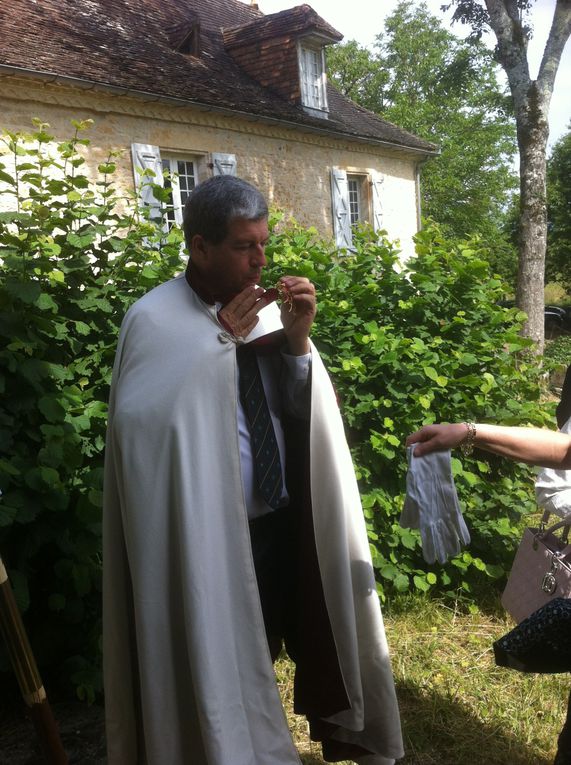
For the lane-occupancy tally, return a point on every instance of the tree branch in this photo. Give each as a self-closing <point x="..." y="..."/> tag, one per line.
<point x="558" y="36"/>
<point x="512" y="47"/>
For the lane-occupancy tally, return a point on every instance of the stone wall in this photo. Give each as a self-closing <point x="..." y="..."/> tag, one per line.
<point x="289" y="165"/>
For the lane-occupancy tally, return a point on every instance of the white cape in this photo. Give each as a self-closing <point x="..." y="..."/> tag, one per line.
<point x="188" y="675"/>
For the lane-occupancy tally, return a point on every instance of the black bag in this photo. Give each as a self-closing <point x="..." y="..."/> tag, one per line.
<point x="540" y="643"/>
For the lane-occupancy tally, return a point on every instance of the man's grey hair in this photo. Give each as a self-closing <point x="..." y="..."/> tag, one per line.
<point x="215" y="203"/>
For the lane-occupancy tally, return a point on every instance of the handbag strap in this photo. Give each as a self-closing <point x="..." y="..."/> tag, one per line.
<point x="566" y="551"/>
<point x="564" y="524"/>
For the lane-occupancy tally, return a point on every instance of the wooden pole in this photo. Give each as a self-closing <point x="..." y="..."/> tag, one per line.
<point x="26" y="670"/>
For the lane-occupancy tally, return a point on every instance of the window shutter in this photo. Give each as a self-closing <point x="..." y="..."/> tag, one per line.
<point x="147" y="157"/>
<point x="323" y="104"/>
<point x="223" y="164"/>
<point x="304" y="75"/>
<point x="340" y="203"/>
<point x="377" y="183"/>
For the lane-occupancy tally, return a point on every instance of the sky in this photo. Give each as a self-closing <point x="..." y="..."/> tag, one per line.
<point x="362" y="20"/>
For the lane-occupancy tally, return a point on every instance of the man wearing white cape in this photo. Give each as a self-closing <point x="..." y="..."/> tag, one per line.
<point x="203" y="579"/>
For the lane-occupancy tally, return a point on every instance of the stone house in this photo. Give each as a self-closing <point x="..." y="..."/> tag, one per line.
<point x="212" y="87"/>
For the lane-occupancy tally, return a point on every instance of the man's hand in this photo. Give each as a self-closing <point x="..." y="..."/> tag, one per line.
<point x="240" y="315"/>
<point x="298" y="312"/>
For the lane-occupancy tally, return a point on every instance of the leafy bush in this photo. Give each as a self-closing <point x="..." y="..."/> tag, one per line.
<point x="71" y="264"/>
<point x="558" y="352"/>
<point x="425" y="342"/>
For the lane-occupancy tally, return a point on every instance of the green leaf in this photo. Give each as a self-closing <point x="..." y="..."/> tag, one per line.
<point x="431" y="373"/>
<point x="408" y="539"/>
<point x="27" y="292"/>
<point x="49" y="476"/>
<point x="56" y="275"/>
<point x="401" y="583"/>
<point x="52" y="408"/>
<point x="76" y="240"/>
<point x="420" y="583"/>
<point x="6" y="178"/>
<point x="389" y="572"/>
<point x="46" y="303"/>
<point x="82" y="328"/>
<point x="7" y="468"/>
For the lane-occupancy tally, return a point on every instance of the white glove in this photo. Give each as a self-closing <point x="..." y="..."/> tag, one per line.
<point x="431" y="505"/>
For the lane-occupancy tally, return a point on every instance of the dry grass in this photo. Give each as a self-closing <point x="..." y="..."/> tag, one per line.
<point x="457" y="707"/>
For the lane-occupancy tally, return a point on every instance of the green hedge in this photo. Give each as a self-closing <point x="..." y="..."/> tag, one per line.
<point x="412" y="344"/>
<point x="405" y="345"/>
<point x="73" y="257"/>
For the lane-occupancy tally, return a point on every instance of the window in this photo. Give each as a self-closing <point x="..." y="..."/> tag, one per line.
<point x="355" y="197"/>
<point x="184" y="174"/>
<point x="191" y="43"/>
<point x="355" y="203"/>
<point x="181" y="182"/>
<point x="312" y="73"/>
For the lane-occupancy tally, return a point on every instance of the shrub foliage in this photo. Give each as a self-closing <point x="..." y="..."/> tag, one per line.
<point x="71" y="264"/>
<point x="405" y="344"/>
<point x="413" y="344"/>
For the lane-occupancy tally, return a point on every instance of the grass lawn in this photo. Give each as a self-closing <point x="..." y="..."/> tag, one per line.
<point x="457" y="707"/>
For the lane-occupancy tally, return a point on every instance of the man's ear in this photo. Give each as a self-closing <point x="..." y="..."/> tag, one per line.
<point x="199" y="248"/>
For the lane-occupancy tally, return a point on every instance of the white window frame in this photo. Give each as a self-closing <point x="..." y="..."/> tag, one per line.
<point x="357" y="206"/>
<point x="178" y="195"/>
<point x="313" y="78"/>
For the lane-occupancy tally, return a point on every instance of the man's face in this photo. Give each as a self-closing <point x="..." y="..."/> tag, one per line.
<point x="235" y="263"/>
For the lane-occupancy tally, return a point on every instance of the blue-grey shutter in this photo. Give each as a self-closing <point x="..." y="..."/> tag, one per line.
<point x="340" y="208"/>
<point x="223" y="164"/>
<point x="147" y="169"/>
<point x="377" y="185"/>
<point x="304" y="76"/>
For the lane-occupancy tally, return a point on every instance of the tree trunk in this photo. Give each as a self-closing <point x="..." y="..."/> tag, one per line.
<point x="533" y="131"/>
<point x="531" y="100"/>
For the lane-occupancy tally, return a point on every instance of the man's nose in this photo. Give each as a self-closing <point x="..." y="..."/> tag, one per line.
<point x="260" y="255"/>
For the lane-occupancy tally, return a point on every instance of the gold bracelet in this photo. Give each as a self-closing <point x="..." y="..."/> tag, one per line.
<point x="467" y="445"/>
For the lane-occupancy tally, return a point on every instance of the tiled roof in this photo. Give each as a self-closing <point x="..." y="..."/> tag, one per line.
<point x="299" y="20"/>
<point x="132" y="45"/>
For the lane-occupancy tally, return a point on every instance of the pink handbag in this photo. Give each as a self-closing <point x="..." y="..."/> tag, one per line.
<point x="541" y="570"/>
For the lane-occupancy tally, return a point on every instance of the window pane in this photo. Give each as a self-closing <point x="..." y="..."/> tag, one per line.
<point x="186" y="180"/>
<point x="312" y="78"/>
<point x="354" y="187"/>
<point x="183" y="182"/>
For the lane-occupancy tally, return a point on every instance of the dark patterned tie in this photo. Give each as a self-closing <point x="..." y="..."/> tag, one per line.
<point x="265" y="450"/>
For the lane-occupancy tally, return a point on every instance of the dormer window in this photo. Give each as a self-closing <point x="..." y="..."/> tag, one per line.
<point x="184" y="36"/>
<point x="313" y="79"/>
<point x="191" y="43"/>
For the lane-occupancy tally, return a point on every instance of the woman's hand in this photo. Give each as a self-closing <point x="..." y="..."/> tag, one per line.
<point x="433" y="438"/>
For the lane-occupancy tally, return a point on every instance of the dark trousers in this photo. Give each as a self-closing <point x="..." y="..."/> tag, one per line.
<point x="274" y="538"/>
